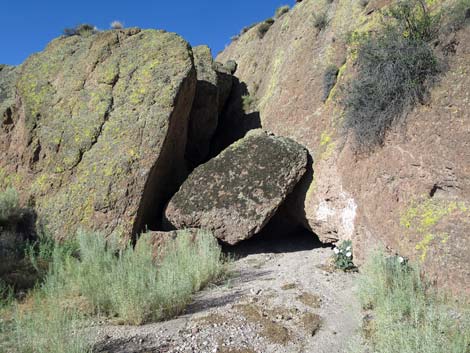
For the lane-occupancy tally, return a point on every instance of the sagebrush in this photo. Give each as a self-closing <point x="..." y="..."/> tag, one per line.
<point x="408" y="314"/>
<point x="96" y="277"/>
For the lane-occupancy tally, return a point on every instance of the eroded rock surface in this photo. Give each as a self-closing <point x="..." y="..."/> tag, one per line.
<point x="412" y="194"/>
<point x="99" y="129"/>
<point x="236" y="193"/>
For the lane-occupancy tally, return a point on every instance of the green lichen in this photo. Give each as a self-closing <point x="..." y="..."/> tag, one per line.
<point x="421" y="218"/>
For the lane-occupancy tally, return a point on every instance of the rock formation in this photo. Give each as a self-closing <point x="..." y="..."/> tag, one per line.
<point x="98" y="129"/>
<point x="411" y="194"/>
<point x="236" y="193"/>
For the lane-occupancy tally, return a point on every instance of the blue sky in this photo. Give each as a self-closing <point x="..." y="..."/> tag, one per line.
<point x="28" y="25"/>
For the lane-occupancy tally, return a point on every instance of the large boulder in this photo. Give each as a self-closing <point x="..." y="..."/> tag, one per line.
<point x="236" y="193"/>
<point x="410" y="195"/>
<point x="99" y="129"/>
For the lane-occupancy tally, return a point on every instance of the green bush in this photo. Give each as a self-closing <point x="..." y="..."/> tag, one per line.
<point x="9" y="205"/>
<point x="395" y="68"/>
<point x="281" y="11"/>
<point x="126" y="283"/>
<point x="320" y="20"/>
<point x="329" y="80"/>
<point x="343" y="258"/>
<point x="95" y="277"/>
<point x="49" y="326"/>
<point x="83" y="29"/>
<point x="264" y="27"/>
<point x="248" y="103"/>
<point x="408" y="314"/>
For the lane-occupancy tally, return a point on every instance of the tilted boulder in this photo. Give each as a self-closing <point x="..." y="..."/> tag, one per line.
<point x="236" y="193"/>
<point x="99" y="129"/>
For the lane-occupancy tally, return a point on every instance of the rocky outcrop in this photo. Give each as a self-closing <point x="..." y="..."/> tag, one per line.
<point x="8" y="77"/>
<point x="412" y="194"/>
<point x="236" y="193"/>
<point x="205" y="111"/>
<point x="99" y="128"/>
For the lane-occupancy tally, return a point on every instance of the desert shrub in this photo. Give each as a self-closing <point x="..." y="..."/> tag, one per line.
<point x="248" y="102"/>
<point x="49" y="325"/>
<point x="96" y="277"/>
<point x="117" y="25"/>
<point x="320" y="20"/>
<point x="343" y="257"/>
<point x="395" y="68"/>
<point x="83" y="29"/>
<point x="281" y="11"/>
<point x="408" y="314"/>
<point x="9" y="205"/>
<point x="127" y="283"/>
<point x="264" y="27"/>
<point x="329" y="80"/>
<point x="458" y="15"/>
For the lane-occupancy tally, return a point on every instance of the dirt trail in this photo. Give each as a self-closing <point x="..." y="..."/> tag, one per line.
<point x="279" y="300"/>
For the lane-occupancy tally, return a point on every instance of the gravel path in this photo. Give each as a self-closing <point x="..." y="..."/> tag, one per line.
<point x="279" y="299"/>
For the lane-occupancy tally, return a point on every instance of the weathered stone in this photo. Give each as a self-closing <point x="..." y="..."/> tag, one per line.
<point x="100" y="128"/>
<point x="204" y="113"/>
<point x="412" y="194"/>
<point x="8" y="78"/>
<point x="236" y="193"/>
<point x="158" y="241"/>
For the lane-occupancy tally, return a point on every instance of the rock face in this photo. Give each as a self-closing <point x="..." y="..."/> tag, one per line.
<point x="158" y="241"/>
<point x="205" y="112"/>
<point x="411" y="195"/>
<point x="8" y="77"/>
<point x="236" y="193"/>
<point x="98" y="129"/>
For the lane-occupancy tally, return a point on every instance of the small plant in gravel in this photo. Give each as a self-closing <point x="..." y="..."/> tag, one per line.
<point x="343" y="257"/>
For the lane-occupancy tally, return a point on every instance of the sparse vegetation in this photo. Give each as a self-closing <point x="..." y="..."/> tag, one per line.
<point x="320" y="20"/>
<point x="95" y="277"/>
<point x="117" y="25"/>
<point x="281" y="11"/>
<point x="407" y="314"/>
<point x="84" y="29"/>
<point x="329" y="80"/>
<point x="9" y="205"/>
<point x="264" y="27"/>
<point x="248" y="102"/>
<point x="395" y="68"/>
<point x="343" y="257"/>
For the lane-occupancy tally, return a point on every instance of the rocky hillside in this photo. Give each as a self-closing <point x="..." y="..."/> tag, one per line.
<point x="412" y="192"/>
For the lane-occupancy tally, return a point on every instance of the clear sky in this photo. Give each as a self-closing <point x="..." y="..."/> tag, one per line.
<point x="26" y="26"/>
